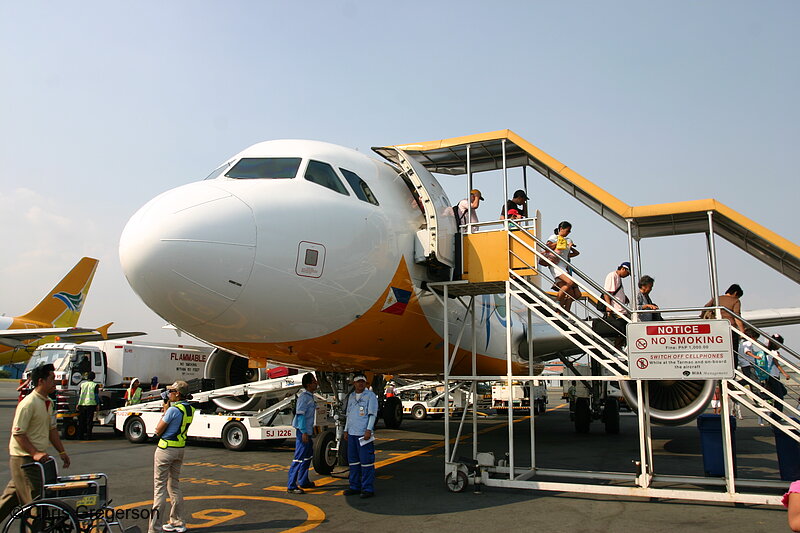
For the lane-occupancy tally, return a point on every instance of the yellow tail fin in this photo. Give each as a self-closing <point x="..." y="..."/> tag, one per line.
<point x="63" y="305"/>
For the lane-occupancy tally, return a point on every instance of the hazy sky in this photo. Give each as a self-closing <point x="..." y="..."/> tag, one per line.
<point x="103" y="105"/>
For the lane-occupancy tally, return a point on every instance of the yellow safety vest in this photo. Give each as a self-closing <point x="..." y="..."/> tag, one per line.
<point x="179" y="441"/>
<point x="134" y="396"/>
<point x="88" y="390"/>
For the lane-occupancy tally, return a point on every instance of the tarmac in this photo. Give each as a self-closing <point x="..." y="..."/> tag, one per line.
<point x="245" y="491"/>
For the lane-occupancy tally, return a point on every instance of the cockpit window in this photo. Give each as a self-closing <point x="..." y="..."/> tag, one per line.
<point x="323" y="174"/>
<point x="360" y="187"/>
<point x="265" y="168"/>
<point x="219" y="170"/>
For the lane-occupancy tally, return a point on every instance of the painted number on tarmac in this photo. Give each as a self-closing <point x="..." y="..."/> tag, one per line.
<point x="215" y="517"/>
<point x="314" y="515"/>
<point x="213" y="482"/>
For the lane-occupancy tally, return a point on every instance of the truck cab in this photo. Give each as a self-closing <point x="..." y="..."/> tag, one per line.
<point x="72" y="363"/>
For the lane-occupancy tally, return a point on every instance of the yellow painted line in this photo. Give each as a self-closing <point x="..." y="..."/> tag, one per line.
<point x="314" y="515"/>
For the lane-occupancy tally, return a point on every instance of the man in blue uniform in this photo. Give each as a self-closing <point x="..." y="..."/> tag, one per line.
<point x="362" y="412"/>
<point x="304" y="431"/>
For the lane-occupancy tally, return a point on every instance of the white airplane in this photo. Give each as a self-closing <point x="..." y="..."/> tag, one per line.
<point x="303" y="252"/>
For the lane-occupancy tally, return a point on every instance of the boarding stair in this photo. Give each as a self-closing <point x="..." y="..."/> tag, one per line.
<point x="545" y="306"/>
<point x="783" y="414"/>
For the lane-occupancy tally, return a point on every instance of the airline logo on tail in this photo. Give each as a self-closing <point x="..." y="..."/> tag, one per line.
<point x="72" y="301"/>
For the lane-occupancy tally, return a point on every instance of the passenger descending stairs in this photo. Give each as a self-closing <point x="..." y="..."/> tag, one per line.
<point x="578" y="331"/>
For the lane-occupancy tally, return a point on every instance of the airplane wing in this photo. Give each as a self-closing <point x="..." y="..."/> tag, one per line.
<point x="92" y="335"/>
<point x="17" y="337"/>
<point x="766" y="318"/>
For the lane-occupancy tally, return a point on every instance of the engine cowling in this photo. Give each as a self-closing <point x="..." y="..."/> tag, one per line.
<point x="227" y="369"/>
<point x="673" y="402"/>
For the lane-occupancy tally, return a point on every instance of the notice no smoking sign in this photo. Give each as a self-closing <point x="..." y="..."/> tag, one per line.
<point x="700" y="349"/>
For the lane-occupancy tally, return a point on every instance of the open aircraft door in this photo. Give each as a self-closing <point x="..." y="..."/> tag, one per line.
<point x="440" y="233"/>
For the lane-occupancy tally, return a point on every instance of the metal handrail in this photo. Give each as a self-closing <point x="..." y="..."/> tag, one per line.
<point x="500" y="222"/>
<point x="583" y="276"/>
<point x="597" y="341"/>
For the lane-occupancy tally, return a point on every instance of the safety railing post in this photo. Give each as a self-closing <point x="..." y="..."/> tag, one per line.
<point x="509" y="382"/>
<point x="446" y="373"/>
<point x="727" y="447"/>
<point x="712" y="262"/>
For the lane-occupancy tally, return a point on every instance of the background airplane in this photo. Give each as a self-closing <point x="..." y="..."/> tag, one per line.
<point x="54" y="318"/>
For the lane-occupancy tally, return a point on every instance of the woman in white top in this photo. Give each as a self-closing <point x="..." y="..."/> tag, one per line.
<point x="564" y="249"/>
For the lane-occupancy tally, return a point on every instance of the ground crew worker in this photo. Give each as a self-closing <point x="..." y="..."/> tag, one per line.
<point x="88" y="404"/>
<point x="133" y="395"/>
<point x="362" y="412"/>
<point x="33" y="430"/>
<point x="304" y="431"/>
<point x="168" y="459"/>
<point x="572" y="394"/>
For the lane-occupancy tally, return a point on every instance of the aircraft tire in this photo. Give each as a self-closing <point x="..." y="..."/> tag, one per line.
<point x="393" y="412"/>
<point x="583" y="415"/>
<point x="611" y="416"/>
<point x="325" y="457"/>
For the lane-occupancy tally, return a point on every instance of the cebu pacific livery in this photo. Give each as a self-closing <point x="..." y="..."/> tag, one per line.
<point x="56" y="315"/>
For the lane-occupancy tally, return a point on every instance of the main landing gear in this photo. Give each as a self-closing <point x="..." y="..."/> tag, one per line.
<point x="330" y="447"/>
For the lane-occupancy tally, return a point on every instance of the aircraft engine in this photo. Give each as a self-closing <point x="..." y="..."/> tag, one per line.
<point x="673" y="402"/>
<point x="227" y="369"/>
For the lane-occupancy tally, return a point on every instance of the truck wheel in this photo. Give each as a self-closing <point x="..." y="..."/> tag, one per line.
<point x="611" y="416"/>
<point x="393" y="412"/>
<point x="325" y="456"/>
<point x="583" y="415"/>
<point x="69" y="429"/>
<point x="234" y="436"/>
<point x="135" y="430"/>
<point x="418" y="412"/>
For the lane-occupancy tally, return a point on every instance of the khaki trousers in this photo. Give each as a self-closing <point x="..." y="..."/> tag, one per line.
<point x="23" y="486"/>
<point x="167" y="464"/>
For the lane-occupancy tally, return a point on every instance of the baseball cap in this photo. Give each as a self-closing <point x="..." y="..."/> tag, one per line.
<point x="625" y="264"/>
<point x="519" y="193"/>
<point x="477" y="193"/>
<point x="359" y="377"/>
<point x="181" y="386"/>
<point x="513" y="212"/>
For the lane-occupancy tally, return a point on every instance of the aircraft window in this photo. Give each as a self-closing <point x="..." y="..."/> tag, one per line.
<point x="312" y="257"/>
<point x="360" y="187"/>
<point x="323" y="174"/>
<point x="219" y="170"/>
<point x="265" y="168"/>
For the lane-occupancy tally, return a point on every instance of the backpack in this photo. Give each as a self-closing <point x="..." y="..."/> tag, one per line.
<point x="762" y="366"/>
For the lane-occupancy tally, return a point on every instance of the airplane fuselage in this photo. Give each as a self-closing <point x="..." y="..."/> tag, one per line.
<point x="313" y="272"/>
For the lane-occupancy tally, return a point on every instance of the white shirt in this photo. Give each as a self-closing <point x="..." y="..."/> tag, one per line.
<point x="463" y="209"/>
<point x="614" y="286"/>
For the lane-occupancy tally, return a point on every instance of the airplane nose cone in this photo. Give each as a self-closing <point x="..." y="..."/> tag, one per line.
<point x="189" y="252"/>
